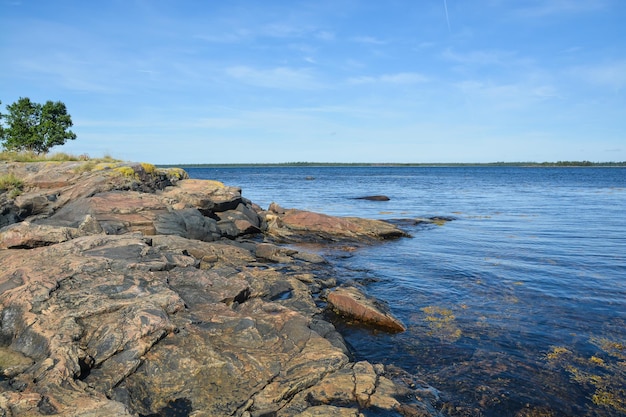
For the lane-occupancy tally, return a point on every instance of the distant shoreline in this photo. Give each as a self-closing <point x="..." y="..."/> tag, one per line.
<point x="559" y="164"/>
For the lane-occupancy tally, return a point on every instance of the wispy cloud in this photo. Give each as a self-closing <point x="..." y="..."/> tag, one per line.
<point x="242" y="32"/>
<point x="397" y="78"/>
<point x="232" y="36"/>
<point x="541" y="8"/>
<point x="280" y="77"/>
<point x="73" y="74"/>
<point x="371" y="40"/>
<point x="325" y="35"/>
<point x="506" y="95"/>
<point x="481" y="57"/>
<point x="612" y="75"/>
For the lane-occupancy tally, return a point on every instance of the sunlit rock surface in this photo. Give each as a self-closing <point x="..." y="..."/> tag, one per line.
<point x="128" y="290"/>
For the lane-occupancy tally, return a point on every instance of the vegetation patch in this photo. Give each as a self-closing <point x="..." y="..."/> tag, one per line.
<point x="11" y="184"/>
<point x="176" y="174"/>
<point x="603" y="373"/>
<point x="441" y="322"/>
<point x="126" y="171"/>
<point x="85" y="167"/>
<point x="148" y="168"/>
<point x="26" y="156"/>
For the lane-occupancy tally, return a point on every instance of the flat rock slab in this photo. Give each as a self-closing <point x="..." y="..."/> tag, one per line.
<point x="301" y="225"/>
<point x="374" y="198"/>
<point x="349" y="301"/>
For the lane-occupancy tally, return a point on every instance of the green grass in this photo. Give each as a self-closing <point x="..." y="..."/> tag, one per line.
<point x="54" y="157"/>
<point x="11" y="184"/>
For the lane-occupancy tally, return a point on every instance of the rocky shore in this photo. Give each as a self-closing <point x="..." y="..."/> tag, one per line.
<point x="127" y="290"/>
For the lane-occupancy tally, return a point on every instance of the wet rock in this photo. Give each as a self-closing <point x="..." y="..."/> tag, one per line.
<point x="374" y="198"/>
<point x="350" y="302"/>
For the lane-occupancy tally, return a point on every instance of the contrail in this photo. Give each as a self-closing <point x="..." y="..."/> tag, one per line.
<point x="445" y="6"/>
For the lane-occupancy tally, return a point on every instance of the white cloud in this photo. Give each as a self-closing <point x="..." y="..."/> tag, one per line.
<point x="398" y="78"/>
<point x="505" y="95"/>
<point x="612" y="75"/>
<point x="325" y="35"/>
<point x="541" y="8"/>
<point x="280" y="77"/>
<point x="368" y="40"/>
<point x="480" y="57"/>
<point x="233" y="36"/>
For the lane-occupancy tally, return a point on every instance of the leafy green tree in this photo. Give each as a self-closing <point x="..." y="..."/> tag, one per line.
<point x="35" y="128"/>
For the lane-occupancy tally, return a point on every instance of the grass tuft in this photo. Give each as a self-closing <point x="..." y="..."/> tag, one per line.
<point x="55" y="157"/>
<point x="11" y="184"/>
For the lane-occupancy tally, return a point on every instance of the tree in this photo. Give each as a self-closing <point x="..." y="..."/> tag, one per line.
<point x="35" y="128"/>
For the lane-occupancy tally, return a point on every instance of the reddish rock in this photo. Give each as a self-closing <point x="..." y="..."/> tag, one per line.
<point x="113" y="302"/>
<point x="26" y="235"/>
<point x="349" y="301"/>
<point x="299" y="225"/>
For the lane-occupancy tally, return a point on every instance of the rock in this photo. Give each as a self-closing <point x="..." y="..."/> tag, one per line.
<point x="239" y="222"/>
<point x="26" y="235"/>
<point x="205" y="195"/>
<point x="8" y="211"/>
<point x="350" y="302"/>
<point x="13" y="363"/>
<point x="188" y="223"/>
<point x="130" y="291"/>
<point x="374" y="198"/>
<point x="208" y="254"/>
<point x="275" y="253"/>
<point x="299" y="225"/>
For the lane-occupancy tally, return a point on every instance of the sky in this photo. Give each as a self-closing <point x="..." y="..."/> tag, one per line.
<point x="242" y="81"/>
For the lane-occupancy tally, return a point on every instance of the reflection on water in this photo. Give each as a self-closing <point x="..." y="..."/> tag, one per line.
<point x="516" y="308"/>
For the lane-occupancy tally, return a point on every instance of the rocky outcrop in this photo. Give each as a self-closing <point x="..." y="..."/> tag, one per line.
<point x="126" y="290"/>
<point x="300" y="226"/>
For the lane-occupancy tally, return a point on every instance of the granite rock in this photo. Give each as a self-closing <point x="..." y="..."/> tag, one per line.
<point x="123" y="294"/>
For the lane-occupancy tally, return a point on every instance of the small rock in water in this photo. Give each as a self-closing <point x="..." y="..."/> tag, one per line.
<point x="351" y="302"/>
<point x="374" y="198"/>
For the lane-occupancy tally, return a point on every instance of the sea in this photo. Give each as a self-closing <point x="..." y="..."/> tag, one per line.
<point x="515" y="306"/>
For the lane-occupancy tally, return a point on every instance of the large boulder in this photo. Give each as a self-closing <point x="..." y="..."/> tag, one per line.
<point x="206" y="195"/>
<point x="352" y="303"/>
<point x="300" y="225"/>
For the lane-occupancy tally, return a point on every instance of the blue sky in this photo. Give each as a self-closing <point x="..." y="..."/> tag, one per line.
<point x="326" y="81"/>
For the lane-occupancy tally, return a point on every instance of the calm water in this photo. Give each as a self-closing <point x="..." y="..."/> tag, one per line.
<point x="516" y="308"/>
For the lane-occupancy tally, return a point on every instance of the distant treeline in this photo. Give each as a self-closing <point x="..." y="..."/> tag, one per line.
<point x="371" y="164"/>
